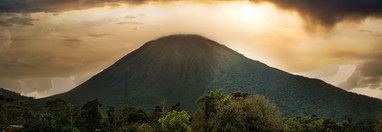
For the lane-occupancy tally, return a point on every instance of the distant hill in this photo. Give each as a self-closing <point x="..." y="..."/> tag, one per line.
<point x="181" y="68"/>
<point x="6" y="94"/>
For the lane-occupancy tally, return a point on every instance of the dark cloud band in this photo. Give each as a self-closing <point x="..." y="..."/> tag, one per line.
<point x="17" y="20"/>
<point x="329" y="12"/>
<point x="317" y="12"/>
<point x="30" y="6"/>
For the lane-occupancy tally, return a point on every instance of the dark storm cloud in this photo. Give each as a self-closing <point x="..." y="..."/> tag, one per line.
<point x="28" y="6"/>
<point x="5" y="23"/>
<point x="21" y="20"/>
<point x="16" y="20"/>
<point x="372" y="68"/>
<point x="368" y="74"/>
<point x="322" y="12"/>
<point x="329" y="12"/>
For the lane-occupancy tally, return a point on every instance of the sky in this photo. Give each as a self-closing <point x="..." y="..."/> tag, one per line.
<point x="51" y="46"/>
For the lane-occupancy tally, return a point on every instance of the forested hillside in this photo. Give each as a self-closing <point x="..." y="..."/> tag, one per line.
<point x="216" y="112"/>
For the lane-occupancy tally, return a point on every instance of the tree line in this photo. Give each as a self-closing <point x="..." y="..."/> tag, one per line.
<point x="216" y="112"/>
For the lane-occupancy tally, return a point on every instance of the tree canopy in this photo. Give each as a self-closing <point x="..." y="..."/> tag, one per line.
<point x="238" y="111"/>
<point x="175" y="121"/>
<point x="216" y="112"/>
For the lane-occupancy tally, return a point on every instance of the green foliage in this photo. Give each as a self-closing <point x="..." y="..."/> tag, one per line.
<point x="379" y="119"/>
<point x="237" y="112"/>
<point x="207" y="106"/>
<point x="111" y="117"/>
<point x="145" y="127"/>
<point x="36" y="122"/>
<point x="130" y="118"/>
<point x="309" y="123"/>
<point x="61" y="115"/>
<point x="14" y="114"/>
<point x="367" y="125"/>
<point x="217" y="112"/>
<point x="317" y="124"/>
<point x="91" y="116"/>
<point x="175" y="121"/>
<point x="176" y="107"/>
<point x="157" y="113"/>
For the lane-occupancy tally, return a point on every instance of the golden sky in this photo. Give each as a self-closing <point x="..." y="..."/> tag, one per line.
<point x="53" y="47"/>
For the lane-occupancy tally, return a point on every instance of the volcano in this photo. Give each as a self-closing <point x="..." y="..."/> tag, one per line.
<point x="181" y="68"/>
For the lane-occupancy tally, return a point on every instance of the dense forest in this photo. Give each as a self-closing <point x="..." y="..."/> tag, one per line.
<point x="216" y="113"/>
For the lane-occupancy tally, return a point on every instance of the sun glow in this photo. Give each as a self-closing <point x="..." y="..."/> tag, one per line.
<point x="248" y="11"/>
<point x="253" y="13"/>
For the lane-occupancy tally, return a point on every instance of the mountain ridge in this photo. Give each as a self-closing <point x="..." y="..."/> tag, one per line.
<point x="13" y="95"/>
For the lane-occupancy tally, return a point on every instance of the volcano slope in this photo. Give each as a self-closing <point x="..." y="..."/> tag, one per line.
<point x="181" y="68"/>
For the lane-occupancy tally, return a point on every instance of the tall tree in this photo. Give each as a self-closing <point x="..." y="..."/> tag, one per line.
<point x="207" y="107"/>
<point x="91" y="116"/>
<point x="130" y="118"/>
<point x="175" y="121"/>
<point x="145" y="127"/>
<point x="59" y="113"/>
<point x="111" y="117"/>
